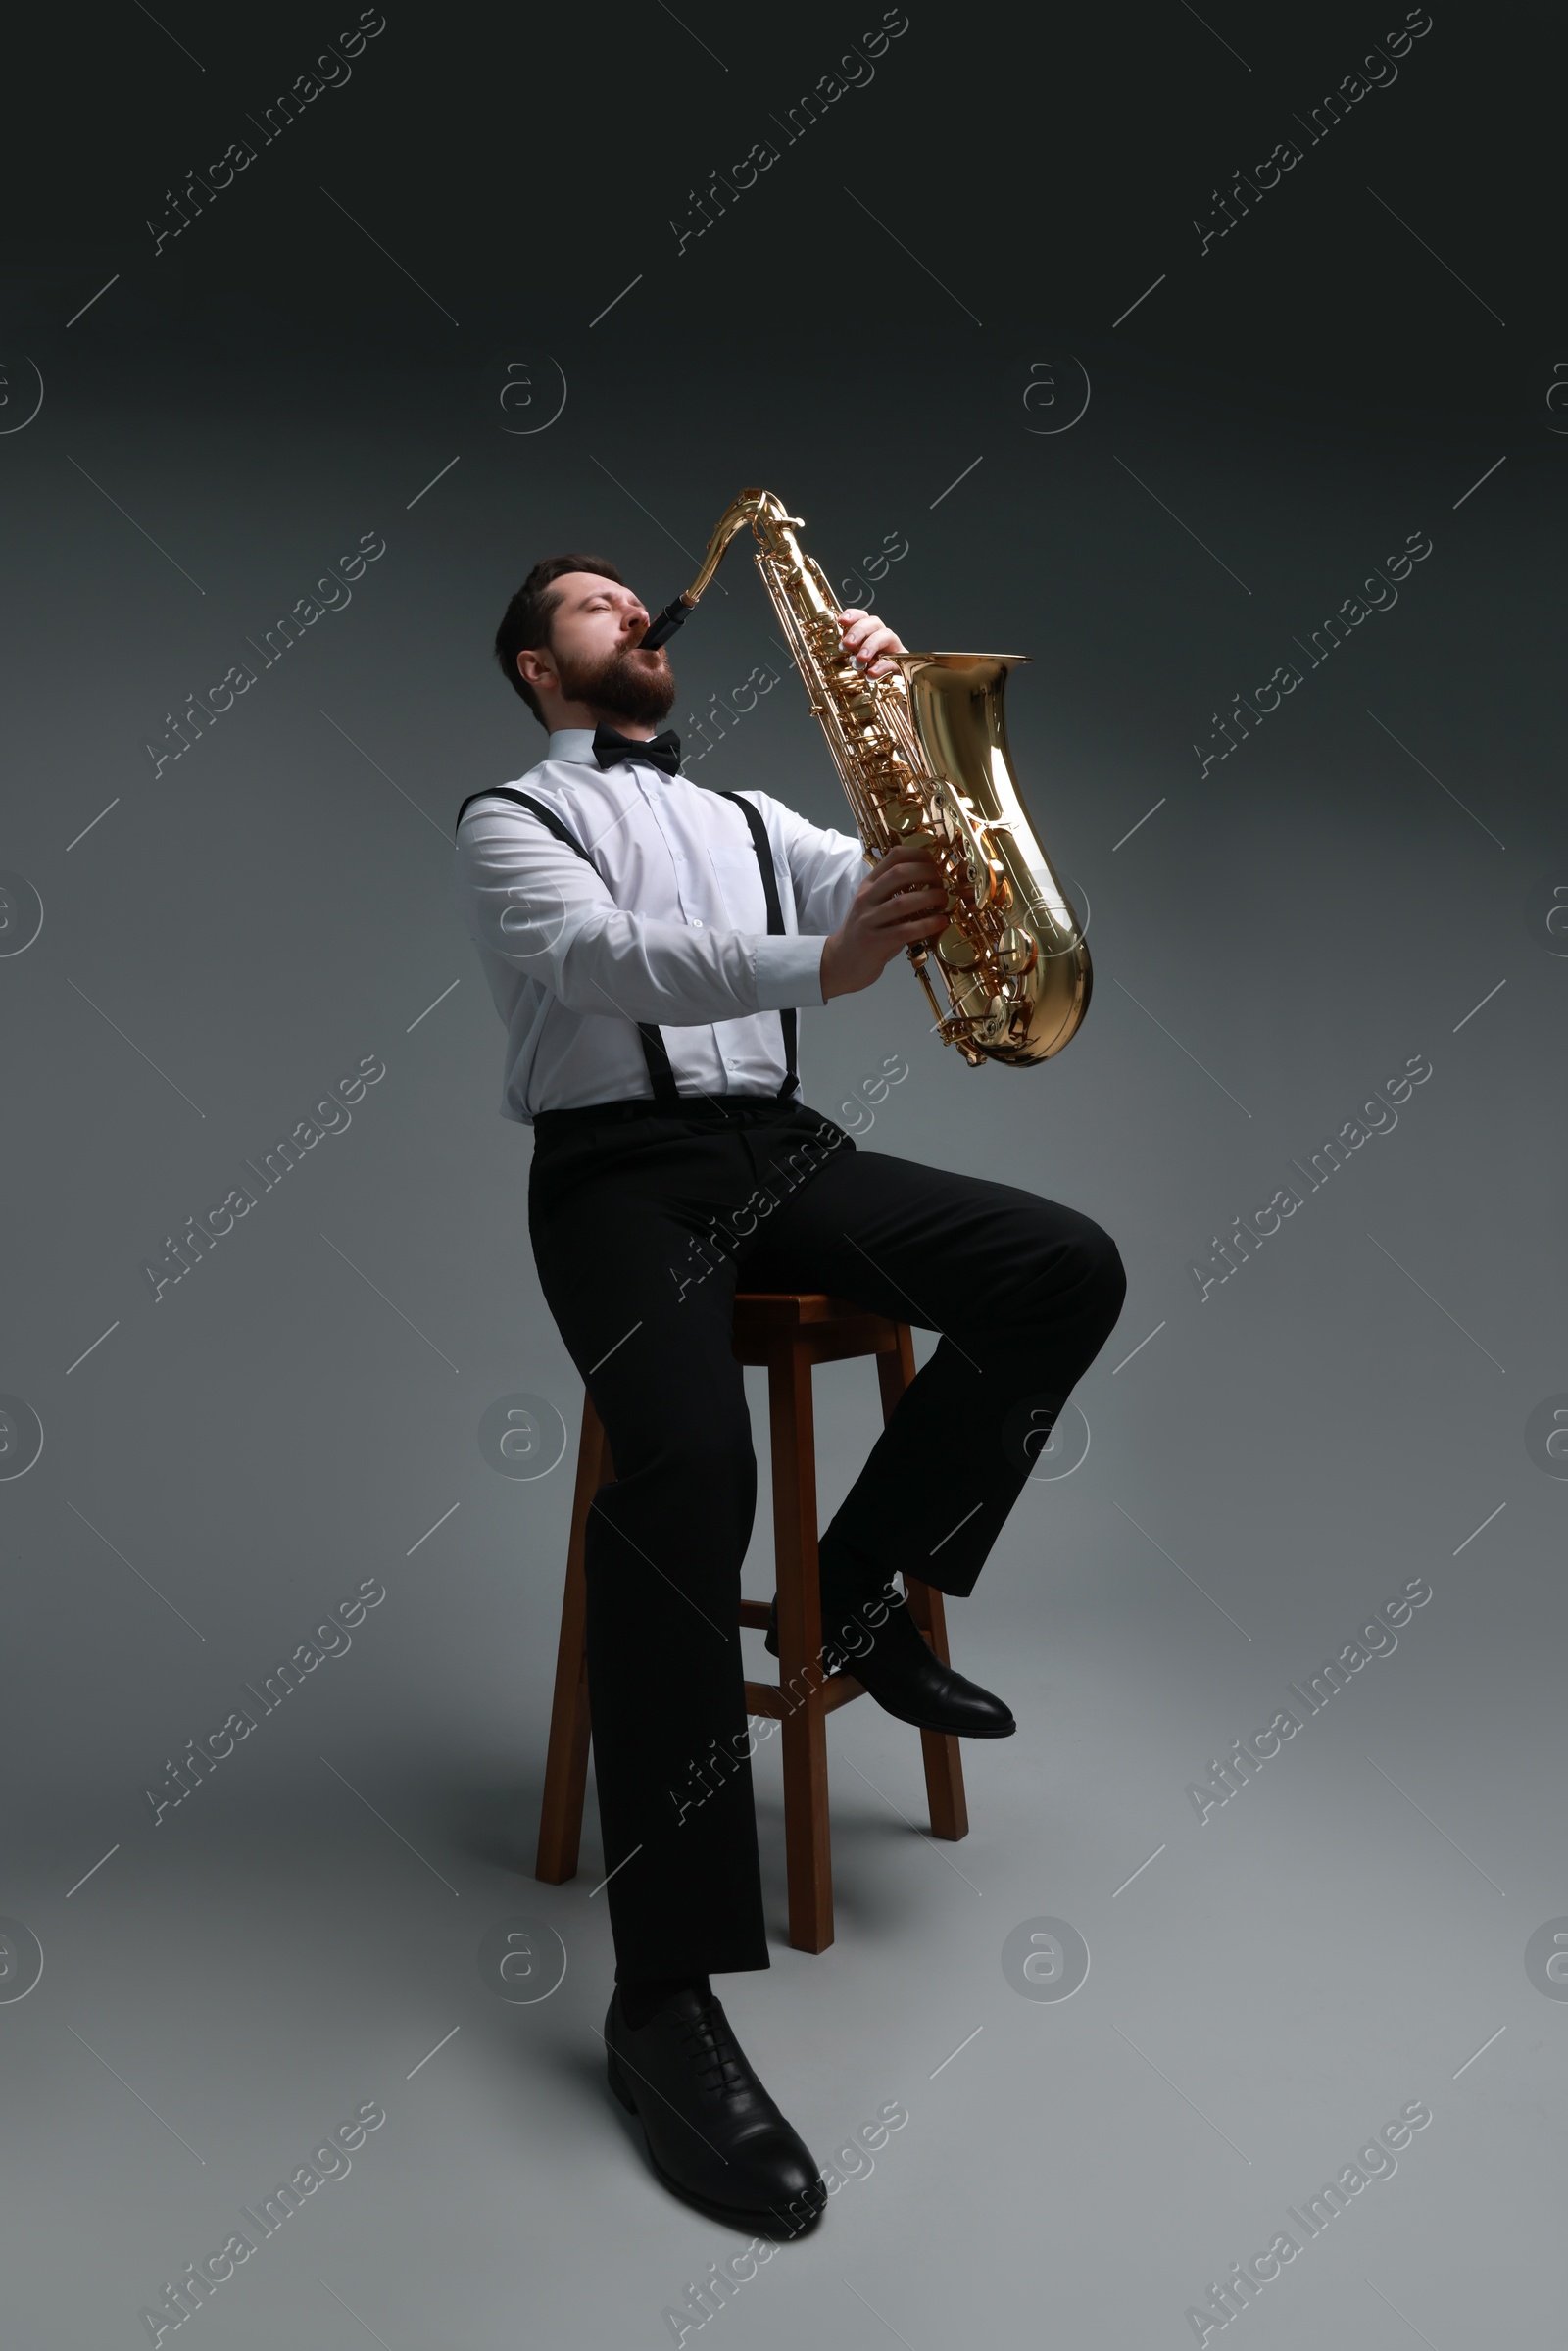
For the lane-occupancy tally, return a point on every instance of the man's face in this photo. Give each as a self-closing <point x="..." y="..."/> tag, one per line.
<point x="594" y="650"/>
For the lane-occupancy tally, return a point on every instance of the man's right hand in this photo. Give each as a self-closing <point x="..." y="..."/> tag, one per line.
<point x="900" y="901"/>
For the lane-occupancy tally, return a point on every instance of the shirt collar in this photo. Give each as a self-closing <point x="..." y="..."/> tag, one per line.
<point x="574" y="743"/>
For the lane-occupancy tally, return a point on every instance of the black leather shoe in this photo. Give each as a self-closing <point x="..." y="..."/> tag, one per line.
<point x="908" y="1679"/>
<point x="714" y="2133"/>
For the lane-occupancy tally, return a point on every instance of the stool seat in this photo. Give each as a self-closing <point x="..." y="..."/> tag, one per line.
<point x="829" y="1327"/>
<point x="787" y="1331"/>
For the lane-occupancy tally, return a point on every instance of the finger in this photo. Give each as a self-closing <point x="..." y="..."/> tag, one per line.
<point x="908" y="896"/>
<point x="921" y="906"/>
<point x="903" y="852"/>
<point x="873" y="645"/>
<point x="908" y="872"/>
<point x="916" y="865"/>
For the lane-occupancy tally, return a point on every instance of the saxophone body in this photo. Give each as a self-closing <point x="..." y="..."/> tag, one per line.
<point x="923" y="757"/>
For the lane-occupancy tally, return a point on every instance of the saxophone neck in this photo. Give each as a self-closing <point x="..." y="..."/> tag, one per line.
<point x="768" y="517"/>
<point x="772" y="524"/>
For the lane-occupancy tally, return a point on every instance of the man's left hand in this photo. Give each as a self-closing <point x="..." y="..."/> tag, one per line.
<point x="868" y="639"/>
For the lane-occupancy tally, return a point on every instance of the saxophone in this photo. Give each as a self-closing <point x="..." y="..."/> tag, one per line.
<point x="923" y="757"/>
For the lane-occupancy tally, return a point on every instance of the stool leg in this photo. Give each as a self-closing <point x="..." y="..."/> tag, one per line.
<point x="807" y="1845"/>
<point x="567" y="1759"/>
<point x="894" y="1371"/>
<point x="944" y="1764"/>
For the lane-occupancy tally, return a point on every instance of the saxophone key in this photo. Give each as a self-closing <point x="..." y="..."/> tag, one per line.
<point x="1017" y="952"/>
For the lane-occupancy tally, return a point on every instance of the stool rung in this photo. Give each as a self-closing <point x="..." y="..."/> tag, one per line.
<point x="767" y="1697"/>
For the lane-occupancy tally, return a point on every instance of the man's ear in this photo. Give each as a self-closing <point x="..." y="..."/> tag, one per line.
<point x="536" y="669"/>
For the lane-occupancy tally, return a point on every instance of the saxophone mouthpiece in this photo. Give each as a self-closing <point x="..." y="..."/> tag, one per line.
<point x="664" y="625"/>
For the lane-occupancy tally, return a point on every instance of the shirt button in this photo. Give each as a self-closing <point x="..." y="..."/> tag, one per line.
<point x="697" y="922"/>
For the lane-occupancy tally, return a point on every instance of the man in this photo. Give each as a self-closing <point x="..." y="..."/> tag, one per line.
<point x="647" y="943"/>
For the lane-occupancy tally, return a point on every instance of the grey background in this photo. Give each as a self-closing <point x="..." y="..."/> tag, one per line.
<point x="220" y="942"/>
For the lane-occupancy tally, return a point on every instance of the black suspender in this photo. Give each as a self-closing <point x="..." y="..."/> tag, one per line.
<point x="776" y="925"/>
<point x="663" y="1077"/>
<point x="655" y="1052"/>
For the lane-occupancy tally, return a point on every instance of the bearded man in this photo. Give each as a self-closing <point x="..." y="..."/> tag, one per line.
<point x="648" y="944"/>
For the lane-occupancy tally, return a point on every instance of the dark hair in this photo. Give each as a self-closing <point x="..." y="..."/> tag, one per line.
<point x="527" y="626"/>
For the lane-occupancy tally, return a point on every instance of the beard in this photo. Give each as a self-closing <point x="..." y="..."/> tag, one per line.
<point x="622" y="686"/>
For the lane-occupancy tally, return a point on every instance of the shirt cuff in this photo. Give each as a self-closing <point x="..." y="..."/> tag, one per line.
<point x="789" y="971"/>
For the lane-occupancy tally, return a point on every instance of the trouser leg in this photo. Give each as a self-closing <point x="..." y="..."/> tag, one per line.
<point x="664" y="1549"/>
<point x="1024" y="1293"/>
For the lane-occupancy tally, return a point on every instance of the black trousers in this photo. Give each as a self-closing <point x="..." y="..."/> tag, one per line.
<point x="642" y="1231"/>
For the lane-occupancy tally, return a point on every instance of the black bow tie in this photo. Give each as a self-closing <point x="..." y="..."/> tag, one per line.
<point x="610" y="746"/>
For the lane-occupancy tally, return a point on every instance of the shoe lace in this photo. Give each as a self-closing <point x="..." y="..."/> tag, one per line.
<point x="717" y="2064"/>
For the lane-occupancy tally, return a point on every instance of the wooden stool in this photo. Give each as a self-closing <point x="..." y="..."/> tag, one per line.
<point x="787" y="1333"/>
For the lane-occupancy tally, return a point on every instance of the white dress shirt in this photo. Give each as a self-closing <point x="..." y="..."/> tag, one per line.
<point x="679" y="936"/>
